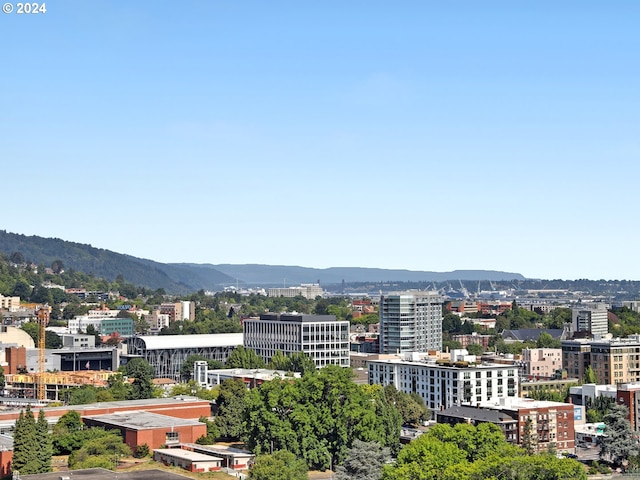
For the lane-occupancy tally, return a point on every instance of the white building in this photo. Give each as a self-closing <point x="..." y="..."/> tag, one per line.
<point x="81" y="322"/>
<point x="410" y="322"/>
<point x="251" y="377"/>
<point x="322" y="337"/>
<point x="443" y="384"/>
<point x="307" y="290"/>
<point x="591" y="319"/>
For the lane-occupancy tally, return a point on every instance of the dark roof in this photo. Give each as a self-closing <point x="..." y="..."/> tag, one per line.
<point x="525" y="334"/>
<point x="104" y="474"/>
<point x="476" y="414"/>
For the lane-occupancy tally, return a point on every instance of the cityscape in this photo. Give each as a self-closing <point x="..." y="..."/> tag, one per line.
<point x="182" y="380"/>
<point x="320" y="240"/>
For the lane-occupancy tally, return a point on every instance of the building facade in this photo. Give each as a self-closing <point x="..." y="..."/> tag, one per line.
<point x="167" y="353"/>
<point x="306" y="290"/>
<point x="410" y="322"/>
<point x="614" y="361"/>
<point x="542" y="362"/>
<point x="445" y="384"/>
<point x="322" y="337"/>
<point x="592" y="319"/>
<point x="550" y="424"/>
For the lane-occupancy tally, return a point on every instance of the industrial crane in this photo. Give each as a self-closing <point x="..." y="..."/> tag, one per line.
<point x="43" y="320"/>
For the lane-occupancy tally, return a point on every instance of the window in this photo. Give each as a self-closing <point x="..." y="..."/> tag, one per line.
<point x="172" y="437"/>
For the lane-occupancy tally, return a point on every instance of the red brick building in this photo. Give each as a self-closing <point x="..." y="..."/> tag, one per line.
<point x="139" y="428"/>
<point x="552" y="423"/>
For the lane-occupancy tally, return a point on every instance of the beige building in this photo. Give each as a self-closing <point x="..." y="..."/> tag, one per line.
<point x="542" y="362"/>
<point x="307" y="290"/>
<point x="614" y="361"/>
<point x="9" y="303"/>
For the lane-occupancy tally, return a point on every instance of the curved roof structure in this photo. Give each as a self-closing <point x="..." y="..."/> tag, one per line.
<point x="163" y="342"/>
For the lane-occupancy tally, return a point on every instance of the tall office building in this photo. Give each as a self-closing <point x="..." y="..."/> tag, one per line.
<point x="592" y="319"/>
<point x="410" y="322"/>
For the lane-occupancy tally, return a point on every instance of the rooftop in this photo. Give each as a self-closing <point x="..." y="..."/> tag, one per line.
<point x="187" y="454"/>
<point x="162" y="342"/>
<point x="141" y="420"/>
<point x="479" y="414"/>
<point x="103" y="474"/>
<point x="515" y="403"/>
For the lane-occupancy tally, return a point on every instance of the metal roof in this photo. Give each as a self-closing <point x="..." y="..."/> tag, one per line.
<point x="165" y="342"/>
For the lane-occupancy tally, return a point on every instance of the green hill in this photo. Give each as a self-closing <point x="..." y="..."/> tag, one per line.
<point x="108" y="265"/>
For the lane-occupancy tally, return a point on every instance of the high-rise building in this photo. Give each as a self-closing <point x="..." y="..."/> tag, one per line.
<point x="592" y="319"/>
<point x="322" y="337"/>
<point x="410" y="322"/>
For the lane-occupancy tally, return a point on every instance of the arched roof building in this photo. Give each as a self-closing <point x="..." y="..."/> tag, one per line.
<point x="167" y="353"/>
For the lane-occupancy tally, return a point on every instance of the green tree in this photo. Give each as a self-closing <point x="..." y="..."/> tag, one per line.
<point x="301" y="362"/>
<point x="412" y="408"/>
<point x="100" y="452"/>
<point x="318" y="417"/>
<point x="118" y="388"/>
<point x="589" y="375"/>
<point x="465" y="452"/>
<point x="475" y="349"/>
<point x="545" y="340"/>
<point x="57" y="266"/>
<point x="231" y="404"/>
<point x="141" y="451"/>
<point x="245" y="358"/>
<point x="21" y="289"/>
<point x="364" y="461"/>
<point x="44" y="450"/>
<point x="619" y="443"/>
<point x="212" y="432"/>
<point x="279" y="361"/>
<point x="529" y="440"/>
<point x="25" y="444"/>
<point x="142" y="373"/>
<point x="281" y="465"/>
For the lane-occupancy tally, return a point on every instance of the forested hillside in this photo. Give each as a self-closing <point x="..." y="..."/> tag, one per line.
<point x="109" y="265"/>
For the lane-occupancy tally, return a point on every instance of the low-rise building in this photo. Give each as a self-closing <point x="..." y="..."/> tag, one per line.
<point x="187" y="459"/>
<point x="156" y="430"/>
<point x="476" y="416"/>
<point x="549" y="424"/>
<point x="529" y="388"/>
<point x="306" y="290"/>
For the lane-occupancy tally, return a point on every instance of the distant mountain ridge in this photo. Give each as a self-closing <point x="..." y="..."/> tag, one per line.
<point x="180" y="278"/>
<point x="256" y="274"/>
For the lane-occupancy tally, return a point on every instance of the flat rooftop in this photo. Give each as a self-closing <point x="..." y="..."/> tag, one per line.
<point x="141" y="420"/>
<point x="187" y="455"/>
<point x="103" y="474"/>
<point x="219" y="449"/>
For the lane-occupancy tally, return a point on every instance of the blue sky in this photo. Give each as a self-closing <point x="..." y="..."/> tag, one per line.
<point x="413" y="134"/>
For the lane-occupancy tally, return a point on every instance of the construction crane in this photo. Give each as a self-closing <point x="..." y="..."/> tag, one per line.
<point x="43" y="320"/>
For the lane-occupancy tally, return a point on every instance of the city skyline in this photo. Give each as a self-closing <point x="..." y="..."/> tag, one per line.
<point x="421" y="136"/>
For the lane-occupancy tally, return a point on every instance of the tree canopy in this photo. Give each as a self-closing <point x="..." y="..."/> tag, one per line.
<point x="465" y="452"/>
<point x="319" y="416"/>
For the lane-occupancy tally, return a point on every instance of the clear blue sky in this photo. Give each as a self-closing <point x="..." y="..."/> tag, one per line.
<point x="412" y="134"/>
